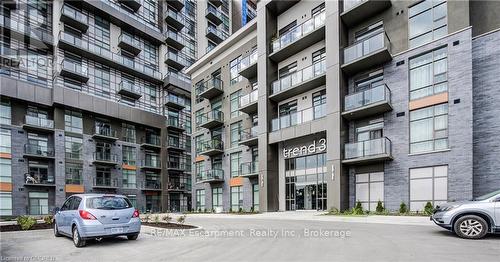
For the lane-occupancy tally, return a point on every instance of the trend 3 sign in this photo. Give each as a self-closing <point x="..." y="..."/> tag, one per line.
<point x="315" y="147"/>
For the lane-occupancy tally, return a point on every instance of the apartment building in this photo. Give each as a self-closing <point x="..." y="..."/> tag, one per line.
<point x="320" y="104"/>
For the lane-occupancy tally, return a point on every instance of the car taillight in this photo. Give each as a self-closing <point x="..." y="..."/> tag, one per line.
<point x="87" y="215"/>
<point x="136" y="213"/>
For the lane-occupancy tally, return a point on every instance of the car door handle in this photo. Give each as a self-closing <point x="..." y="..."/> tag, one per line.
<point x="115" y="218"/>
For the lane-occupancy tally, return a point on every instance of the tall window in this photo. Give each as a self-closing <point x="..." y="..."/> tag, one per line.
<point x="150" y="9"/>
<point x="198" y="117"/>
<point x="73" y="121"/>
<point x="198" y="143"/>
<point x="235" y="133"/>
<point x="429" y="129"/>
<point x="5" y="204"/>
<point x="5" y="141"/>
<point x="216" y="197"/>
<point x="428" y="74"/>
<point x="234" y="69"/>
<point x="5" y="170"/>
<point x="427" y="21"/>
<point x="38" y="203"/>
<point x="150" y="54"/>
<point x="370" y="189"/>
<point x="102" y="81"/>
<point x="200" y="199"/>
<point x="235" y="164"/>
<point x="428" y="184"/>
<point x="236" y="198"/>
<point x="255" y="197"/>
<point x="235" y="104"/>
<point x="129" y="155"/>
<point x="319" y="104"/>
<point x="5" y="113"/>
<point x="129" y="179"/>
<point x="73" y="146"/>
<point x="128" y="132"/>
<point x="74" y="173"/>
<point x="101" y="32"/>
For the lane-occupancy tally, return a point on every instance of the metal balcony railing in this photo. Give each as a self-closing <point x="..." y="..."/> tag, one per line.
<point x="298" y="77"/>
<point x="130" y="87"/>
<point x="248" y="134"/>
<point x="366" y="46"/>
<point x="178" y="186"/>
<point x="212" y="144"/>
<point x="214" y="115"/>
<point x="171" y="98"/>
<point x="248" y="60"/>
<point x="105" y="156"/>
<point x="211" y="174"/>
<point x="152" y="139"/>
<point x="368" y="148"/>
<point x="298" y="117"/>
<point x="74" y="67"/>
<point x="151" y="184"/>
<point x="181" y="165"/>
<point x="74" y="181"/>
<point x="104" y="131"/>
<point x="249" y="168"/>
<point x="38" y="179"/>
<point x="211" y="83"/>
<point x="249" y="98"/>
<point x="105" y="182"/>
<point x="39" y="122"/>
<point x="74" y="14"/>
<point x="152" y="161"/>
<point x="37" y="150"/>
<point x="367" y="97"/>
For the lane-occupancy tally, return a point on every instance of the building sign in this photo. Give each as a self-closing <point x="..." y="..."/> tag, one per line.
<point x="314" y="148"/>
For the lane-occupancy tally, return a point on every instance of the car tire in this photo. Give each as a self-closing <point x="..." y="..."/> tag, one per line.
<point x="77" y="240"/>
<point x="56" y="230"/>
<point x="470" y="227"/>
<point x="132" y="237"/>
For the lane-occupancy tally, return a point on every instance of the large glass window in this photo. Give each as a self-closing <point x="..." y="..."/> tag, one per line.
<point x="5" y="113"/>
<point x="235" y="133"/>
<point x="235" y="104"/>
<point x="427" y="21"/>
<point x="429" y="129"/>
<point x="370" y="189"/>
<point x="234" y="69"/>
<point x="428" y="74"/>
<point x="428" y="184"/>
<point x="216" y="197"/>
<point x="129" y="179"/>
<point x="73" y="121"/>
<point x="236" y="198"/>
<point x="200" y="199"/>
<point x="5" y="141"/>
<point x="5" y="204"/>
<point x="255" y="198"/>
<point x="74" y="174"/>
<point x="129" y="155"/>
<point x="5" y="170"/>
<point x="235" y="164"/>
<point x="128" y="132"/>
<point x="102" y="80"/>
<point x="101" y="33"/>
<point x="38" y="203"/>
<point x="73" y="147"/>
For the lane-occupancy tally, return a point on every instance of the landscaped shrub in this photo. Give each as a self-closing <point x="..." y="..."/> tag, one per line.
<point x="48" y="220"/>
<point x="167" y="218"/>
<point x="358" y="209"/>
<point x="146" y="218"/>
<point x="26" y="222"/>
<point x="181" y="219"/>
<point x="240" y="210"/>
<point x="334" y="211"/>
<point x="402" y="208"/>
<point x="380" y="207"/>
<point x="428" y="209"/>
<point x="156" y="219"/>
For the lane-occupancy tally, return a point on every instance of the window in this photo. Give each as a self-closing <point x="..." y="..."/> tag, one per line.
<point x="198" y="117"/>
<point x="216" y="197"/>
<point x="102" y="81"/>
<point x="370" y="189"/>
<point x="428" y="184"/>
<point x="150" y="10"/>
<point x="5" y="141"/>
<point x="200" y="199"/>
<point x="319" y="104"/>
<point x="101" y="33"/>
<point x="199" y="167"/>
<point x="73" y="147"/>
<point x="150" y="54"/>
<point x="235" y="133"/>
<point x="5" y="113"/>
<point x="5" y="170"/>
<point x="73" y="121"/>
<point x="129" y="155"/>
<point x="236" y="198"/>
<point x="5" y="204"/>
<point x="198" y="140"/>
<point x="38" y="203"/>
<point x="426" y="22"/>
<point x="429" y="129"/>
<point x="128" y="131"/>
<point x="234" y="69"/>
<point x="133" y="200"/>
<point x="103" y="176"/>
<point x="129" y="179"/>
<point x="235" y="104"/>
<point x="255" y="198"/>
<point x="74" y="174"/>
<point x="39" y="173"/>
<point x="235" y="164"/>
<point x="428" y="74"/>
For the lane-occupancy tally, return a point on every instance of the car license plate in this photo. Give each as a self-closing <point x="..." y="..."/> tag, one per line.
<point x="117" y="230"/>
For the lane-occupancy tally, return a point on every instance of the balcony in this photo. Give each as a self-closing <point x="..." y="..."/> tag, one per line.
<point x="151" y="185"/>
<point x="209" y="176"/>
<point x="211" y="147"/>
<point x="179" y="187"/>
<point x="299" y="82"/>
<point x="39" y="37"/>
<point x="38" y="179"/>
<point x="249" y="137"/>
<point x="248" y="65"/>
<point x="74" y="70"/>
<point x="373" y="101"/>
<point x="299" y="117"/>
<point x="38" y="152"/>
<point x="298" y="38"/>
<point x="367" y="53"/>
<point x="75" y="18"/>
<point x="104" y="133"/>
<point x="175" y="39"/>
<point x="177" y="81"/>
<point x="176" y="123"/>
<point x="105" y="158"/>
<point x="10" y="57"/>
<point x="175" y="101"/>
<point x="132" y="4"/>
<point x="249" y="169"/>
<point x="38" y="124"/>
<point x="128" y="89"/>
<point x="177" y="4"/>
<point x="151" y="162"/>
<point x="129" y="43"/>
<point x="90" y="50"/>
<point x="211" y="119"/>
<point x="216" y="35"/>
<point x="214" y="15"/>
<point x="355" y="11"/>
<point x="105" y="183"/>
<point x="175" y="19"/>
<point x="369" y="151"/>
<point x="175" y="143"/>
<point x="176" y="60"/>
<point x="248" y="102"/>
<point x="176" y="166"/>
<point x="151" y="141"/>
<point x="210" y="88"/>
<point x="216" y="3"/>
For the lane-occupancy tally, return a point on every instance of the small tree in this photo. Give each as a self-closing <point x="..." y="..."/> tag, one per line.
<point x="167" y="218"/>
<point x="402" y="208"/>
<point x="358" y="209"/>
<point x="240" y="210"/>
<point x="26" y="222"/>
<point x="428" y="209"/>
<point x="380" y="207"/>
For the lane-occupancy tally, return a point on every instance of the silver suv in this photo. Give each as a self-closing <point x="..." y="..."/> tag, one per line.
<point x="471" y="219"/>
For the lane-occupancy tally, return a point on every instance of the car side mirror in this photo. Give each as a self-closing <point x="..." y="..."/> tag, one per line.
<point x="57" y="210"/>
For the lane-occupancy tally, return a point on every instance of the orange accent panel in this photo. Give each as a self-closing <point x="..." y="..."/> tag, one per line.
<point x="74" y="189"/>
<point x="429" y="101"/>
<point x="129" y="167"/>
<point x="199" y="158"/>
<point x="5" y="155"/>
<point x="236" y="181"/>
<point x="5" y="187"/>
<point x="151" y="193"/>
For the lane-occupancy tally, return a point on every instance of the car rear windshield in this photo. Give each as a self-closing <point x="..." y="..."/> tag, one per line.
<point x="108" y="202"/>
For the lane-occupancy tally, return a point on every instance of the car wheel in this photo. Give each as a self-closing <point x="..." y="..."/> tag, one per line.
<point x="132" y="237"/>
<point x="77" y="240"/>
<point x="56" y="230"/>
<point x="470" y="227"/>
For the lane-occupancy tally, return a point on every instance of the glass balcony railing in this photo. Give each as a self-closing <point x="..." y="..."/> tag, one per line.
<point x="38" y="150"/>
<point x="348" y="4"/>
<point x="248" y="60"/>
<point x="177" y="142"/>
<point x="249" y="98"/>
<point x="217" y="32"/>
<point x="176" y="165"/>
<point x="71" y="179"/>
<point x="367" y="97"/>
<point x="126" y="12"/>
<point x="180" y="76"/>
<point x="206" y="85"/>
<point x="214" y="12"/>
<point x="171" y="98"/>
<point x="298" y="77"/>
<point x="212" y="144"/>
<point x="77" y="155"/>
<point x="152" y="161"/>
<point x="105" y="182"/>
<point x="129" y="40"/>
<point x="75" y="68"/>
<point x="129" y="87"/>
<point x="298" y="32"/>
<point x="249" y="168"/>
<point x="248" y="134"/>
<point x="151" y="184"/>
<point x="214" y="115"/>
<point x="175" y="122"/>
<point x="74" y="14"/>
<point x="104" y="131"/>
<point x="152" y="139"/>
<point x="175" y="36"/>
<point x="105" y="156"/>
<point x="368" y="148"/>
<point x="175" y="15"/>
<point x="39" y="122"/>
<point x="366" y="46"/>
<point x="177" y="57"/>
<point x="212" y="174"/>
<point x="34" y="178"/>
<point x="299" y="117"/>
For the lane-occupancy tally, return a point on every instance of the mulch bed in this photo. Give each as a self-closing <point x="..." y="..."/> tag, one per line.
<point x="8" y="228"/>
<point x="168" y="225"/>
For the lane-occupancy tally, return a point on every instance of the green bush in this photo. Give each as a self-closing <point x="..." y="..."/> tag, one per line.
<point x="358" y="209"/>
<point x="334" y="211"/>
<point x="402" y="208"/>
<point x="146" y="218"/>
<point x="167" y="218"/>
<point x="156" y="219"/>
<point x="181" y="219"/>
<point x="428" y="209"/>
<point x="48" y="219"/>
<point x="240" y="210"/>
<point x="380" y="207"/>
<point x="26" y="222"/>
